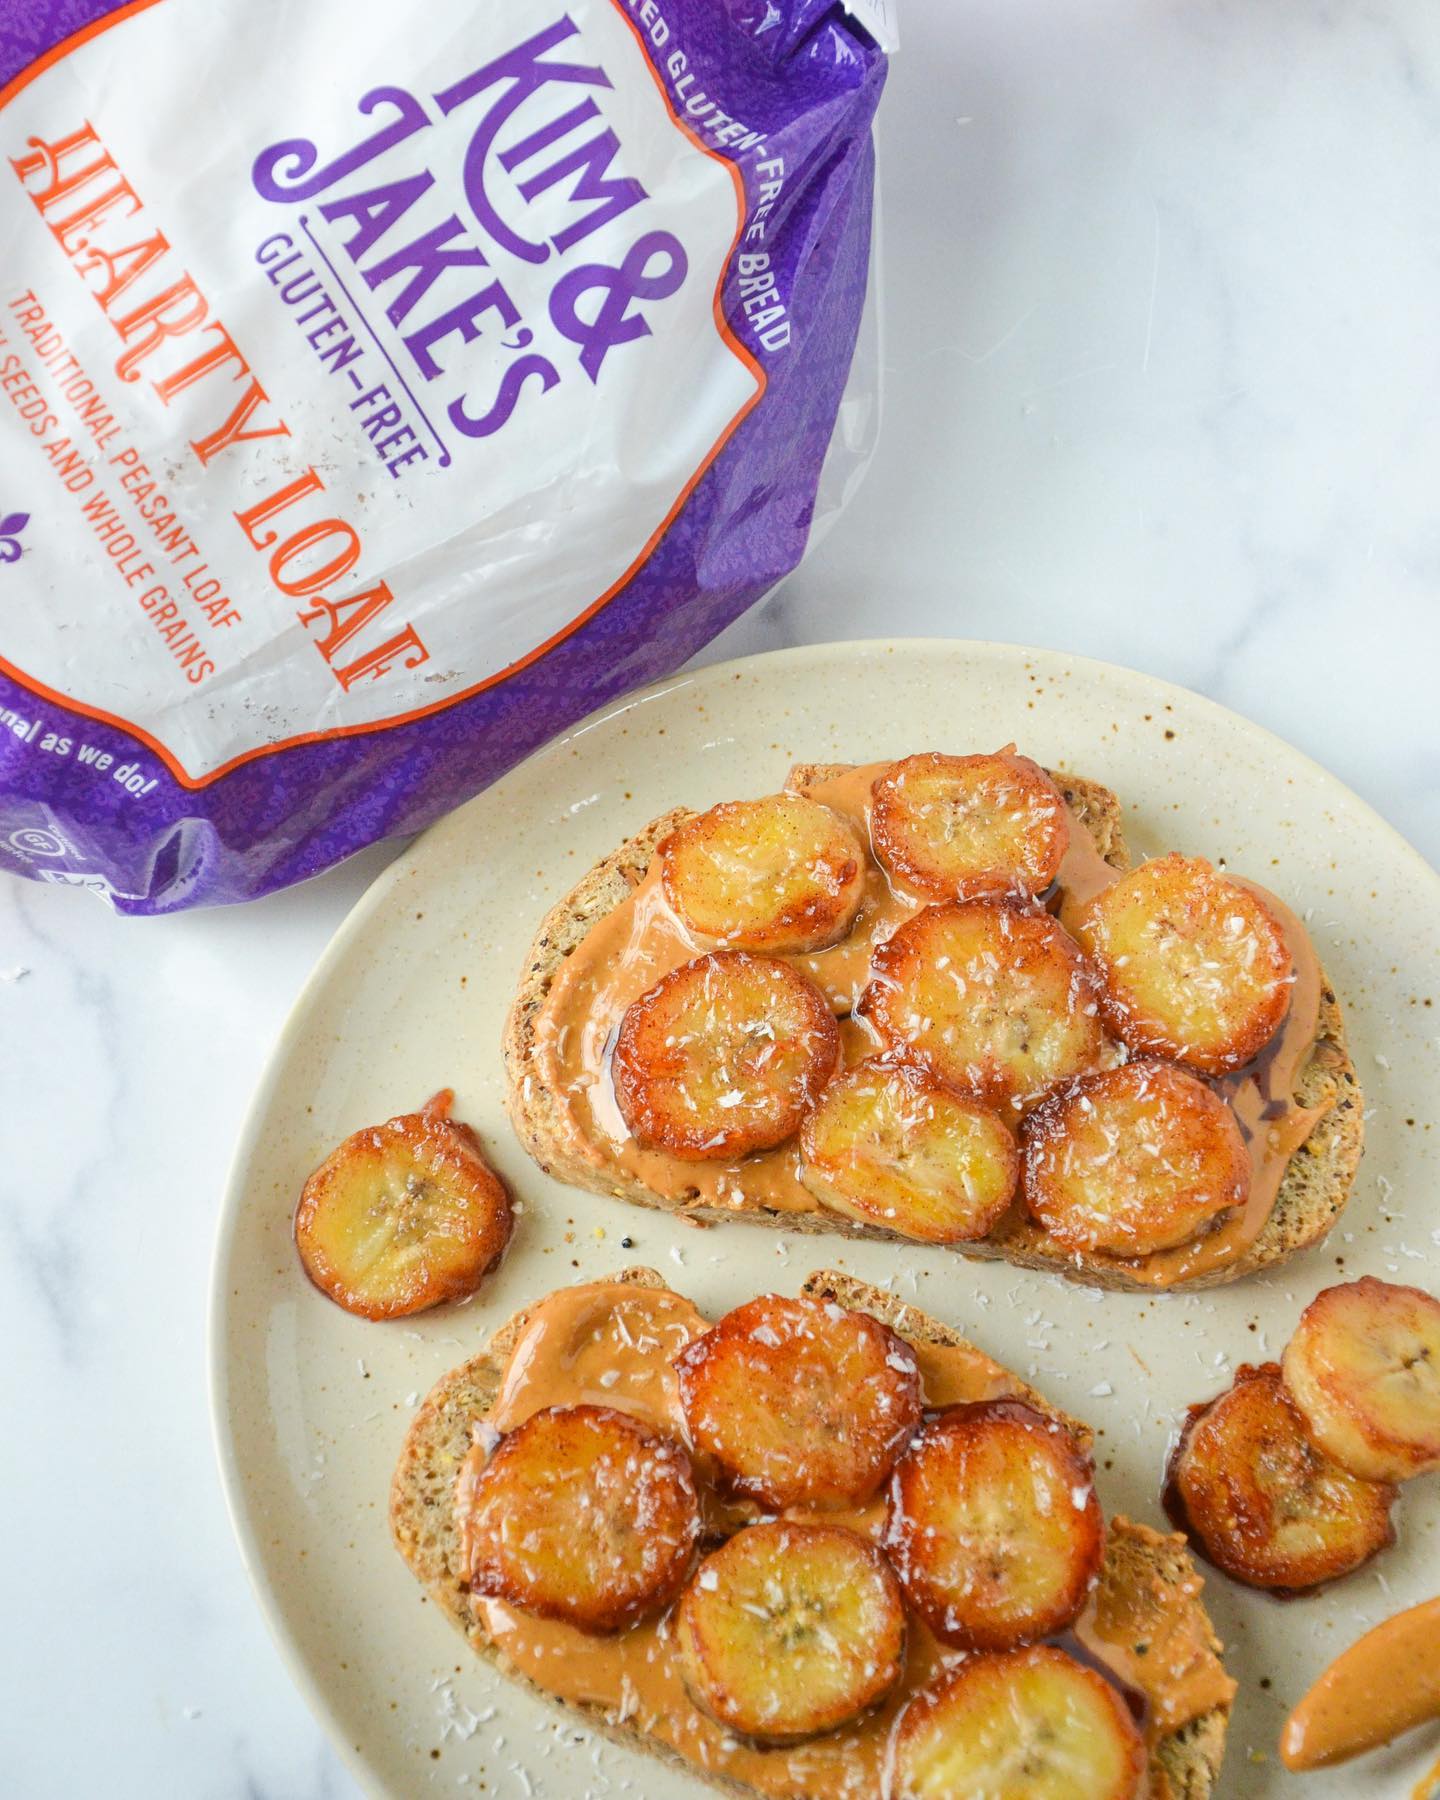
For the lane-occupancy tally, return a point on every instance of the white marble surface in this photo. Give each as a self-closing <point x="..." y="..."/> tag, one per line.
<point x="1161" y="289"/>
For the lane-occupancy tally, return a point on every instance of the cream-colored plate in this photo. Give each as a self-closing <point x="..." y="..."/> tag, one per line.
<point x="311" y="1405"/>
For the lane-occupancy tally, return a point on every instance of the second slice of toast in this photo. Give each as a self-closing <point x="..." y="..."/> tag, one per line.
<point x="1147" y="1577"/>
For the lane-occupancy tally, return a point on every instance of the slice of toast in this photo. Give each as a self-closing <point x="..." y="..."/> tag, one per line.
<point x="1313" y="1192"/>
<point x="1146" y="1573"/>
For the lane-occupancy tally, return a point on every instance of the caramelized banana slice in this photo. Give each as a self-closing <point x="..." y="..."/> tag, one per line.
<point x="1194" y="966"/>
<point x="403" y="1216"/>
<point x="1364" y="1369"/>
<point x="890" y="1145"/>
<point x="791" y="1630"/>
<point x="993" y="1526"/>
<point x="583" y="1514"/>
<point x="991" y="998"/>
<point x="801" y="1401"/>
<point x="969" y="827"/>
<point x="1026" y="1725"/>
<point x="1263" y="1501"/>
<point x="784" y="873"/>
<point x="1133" y="1160"/>
<point x="723" y="1056"/>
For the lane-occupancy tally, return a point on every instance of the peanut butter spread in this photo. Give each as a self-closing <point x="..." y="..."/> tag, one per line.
<point x="633" y="946"/>
<point x="1385" y="1684"/>
<point x="614" y="1344"/>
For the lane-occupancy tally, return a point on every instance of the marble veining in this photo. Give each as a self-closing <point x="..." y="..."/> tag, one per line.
<point x="1160" y="376"/>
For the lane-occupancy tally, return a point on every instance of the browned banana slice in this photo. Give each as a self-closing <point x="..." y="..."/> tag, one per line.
<point x="1023" y="1725"/>
<point x="1364" y="1369"/>
<point x="403" y="1216"/>
<point x="993" y="998"/>
<point x="802" y="1402"/>
<point x="1194" y="965"/>
<point x="892" y="1146"/>
<point x="583" y="1514"/>
<point x="969" y="827"/>
<point x="790" y="1630"/>
<point x="994" y="1527"/>
<point x="723" y="1056"/>
<point x="784" y="873"/>
<point x="1133" y="1160"/>
<point x="1263" y="1501"/>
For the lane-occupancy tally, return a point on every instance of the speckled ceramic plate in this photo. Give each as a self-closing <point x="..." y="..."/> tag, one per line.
<point x="311" y="1405"/>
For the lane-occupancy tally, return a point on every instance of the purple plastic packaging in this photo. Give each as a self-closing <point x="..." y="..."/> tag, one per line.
<point x="382" y="389"/>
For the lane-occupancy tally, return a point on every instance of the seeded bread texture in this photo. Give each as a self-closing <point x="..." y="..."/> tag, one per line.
<point x="1312" y="1194"/>
<point x="1185" y="1764"/>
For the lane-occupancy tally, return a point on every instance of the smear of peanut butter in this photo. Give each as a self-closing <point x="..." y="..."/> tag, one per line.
<point x="1385" y="1684"/>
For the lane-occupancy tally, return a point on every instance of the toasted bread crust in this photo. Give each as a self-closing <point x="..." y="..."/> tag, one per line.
<point x="1312" y="1194"/>
<point x="1185" y="1765"/>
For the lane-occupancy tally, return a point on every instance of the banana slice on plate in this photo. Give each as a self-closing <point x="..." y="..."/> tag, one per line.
<point x="1364" y="1369"/>
<point x="584" y="1514"/>
<point x="891" y="1145"/>
<point x="403" y="1216"/>
<point x="1194" y="966"/>
<point x="1132" y="1160"/>
<point x="789" y="1630"/>
<point x="779" y="874"/>
<point x="992" y="997"/>
<point x="994" y="1527"/>
<point x="1029" y="1724"/>
<point x="1263" y="1501"/>
<point x="724" y="1056"/>
<point x="800" y="1401"/>
<point x="969" y="827"/>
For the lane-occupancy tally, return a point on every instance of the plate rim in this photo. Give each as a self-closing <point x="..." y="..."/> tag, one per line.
<point x="400" y="867"/>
